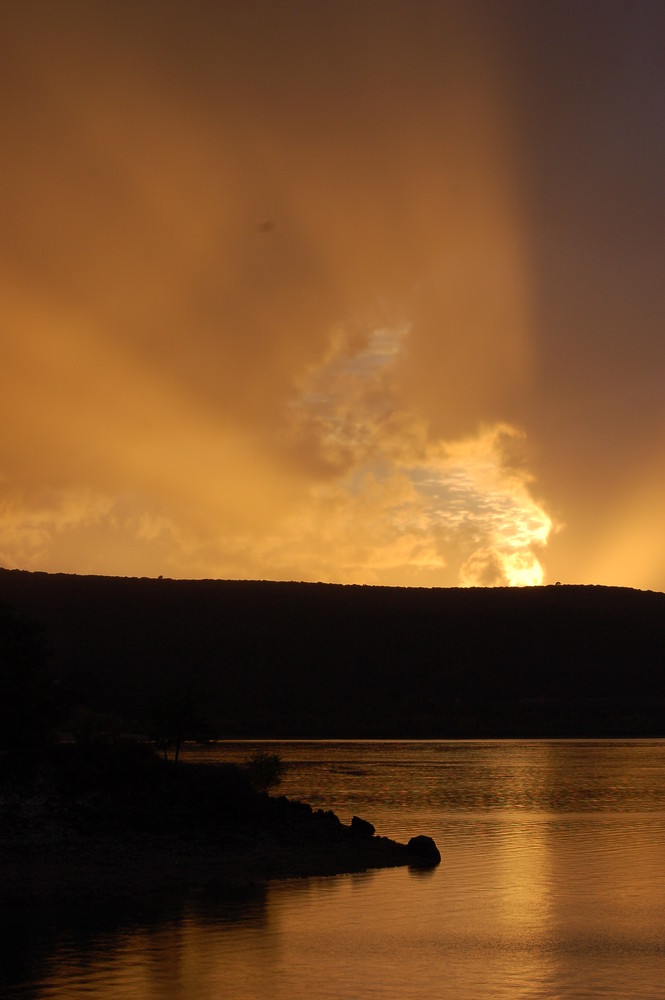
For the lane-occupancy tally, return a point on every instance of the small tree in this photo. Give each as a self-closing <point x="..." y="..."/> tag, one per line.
<point x="178" y="715"/>
<point x="27" y="702"/>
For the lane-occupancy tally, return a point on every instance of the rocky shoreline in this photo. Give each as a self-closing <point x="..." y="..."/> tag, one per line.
<point x="167" y="829"/>
<point x="135" y="866"/>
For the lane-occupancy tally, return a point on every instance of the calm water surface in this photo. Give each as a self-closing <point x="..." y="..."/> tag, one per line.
<point x="552" y="885"/>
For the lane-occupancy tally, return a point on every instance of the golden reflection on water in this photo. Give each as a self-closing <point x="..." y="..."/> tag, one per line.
<point x="522" y="874"/>
<point x="552" y="885"/>
<point x="522" y="863"/>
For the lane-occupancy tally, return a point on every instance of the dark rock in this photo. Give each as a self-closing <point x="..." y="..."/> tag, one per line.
<point x="361" y="827"/>
<point x="423" y="851"/>
<point x="327" y="820"/>
<point x="328" y="816"/>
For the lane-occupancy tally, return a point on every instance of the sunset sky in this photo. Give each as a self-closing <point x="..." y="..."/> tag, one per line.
<point x="362" y="292"/>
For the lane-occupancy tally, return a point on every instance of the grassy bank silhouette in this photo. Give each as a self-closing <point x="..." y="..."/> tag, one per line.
<point x="113" y="818"/>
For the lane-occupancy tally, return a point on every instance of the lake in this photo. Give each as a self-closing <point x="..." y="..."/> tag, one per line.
<point x="552" y="885"/>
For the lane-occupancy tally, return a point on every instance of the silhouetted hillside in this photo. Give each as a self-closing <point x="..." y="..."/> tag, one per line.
<point x="290" y="659"/>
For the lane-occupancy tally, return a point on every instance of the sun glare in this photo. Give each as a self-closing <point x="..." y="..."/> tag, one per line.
<point x="419" y="510"/>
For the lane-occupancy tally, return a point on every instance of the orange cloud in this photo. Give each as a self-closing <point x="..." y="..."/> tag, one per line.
<point x="331" y="297"/>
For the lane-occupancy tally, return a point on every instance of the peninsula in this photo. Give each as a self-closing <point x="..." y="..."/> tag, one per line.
<point x="114" y="820"/>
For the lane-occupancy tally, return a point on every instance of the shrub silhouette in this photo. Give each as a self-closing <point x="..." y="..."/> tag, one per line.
<point x="264" y="770"/>
<point x="89" y="726"/>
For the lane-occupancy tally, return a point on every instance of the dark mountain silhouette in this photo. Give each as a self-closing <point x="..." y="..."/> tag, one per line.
<point x="254" y="659"/>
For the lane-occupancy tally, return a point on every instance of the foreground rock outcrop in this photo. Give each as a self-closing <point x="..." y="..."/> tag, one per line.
<point x="101" y="822"/>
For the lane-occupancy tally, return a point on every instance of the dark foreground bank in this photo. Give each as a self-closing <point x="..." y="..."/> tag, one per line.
<point x="120" y="822"/>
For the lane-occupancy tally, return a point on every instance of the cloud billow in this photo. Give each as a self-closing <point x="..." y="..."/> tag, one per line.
<point x="399" y="504"/>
